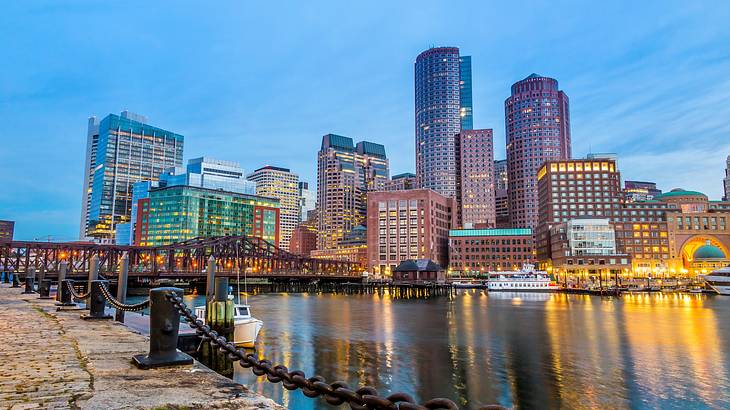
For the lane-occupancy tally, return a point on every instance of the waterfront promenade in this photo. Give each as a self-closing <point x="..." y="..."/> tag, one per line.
<point x="51" y="359"/>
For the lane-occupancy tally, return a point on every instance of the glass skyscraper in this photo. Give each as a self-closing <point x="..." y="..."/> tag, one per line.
<point x="443" y="106"/>
<point x="123" y="151"/>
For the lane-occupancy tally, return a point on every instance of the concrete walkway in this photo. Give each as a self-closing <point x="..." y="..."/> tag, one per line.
<point x="55" y="360"/>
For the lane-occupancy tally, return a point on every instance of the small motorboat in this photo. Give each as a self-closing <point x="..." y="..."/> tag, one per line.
<point x="696" y="290"/>
<point x="246" y="327"/>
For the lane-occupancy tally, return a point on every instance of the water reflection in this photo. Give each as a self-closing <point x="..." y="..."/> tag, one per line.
<point x="526" y="350"/>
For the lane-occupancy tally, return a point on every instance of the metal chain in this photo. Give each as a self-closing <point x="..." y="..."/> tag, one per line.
<point x="75" y="295"/>
<point x="122" y="306"/>
<point x="337" y="393"/>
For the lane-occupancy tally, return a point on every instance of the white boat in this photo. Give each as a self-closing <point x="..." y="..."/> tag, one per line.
<point x="467" y="285"/>
<point x="526" y="280"/>
<point x="719" y="281"/>
<point x="246" y="327"/>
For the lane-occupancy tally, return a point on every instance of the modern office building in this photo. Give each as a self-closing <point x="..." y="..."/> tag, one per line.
<point x="439" y="115"/>
<point x="345" y="173"/>
<point x="727" y="179"/>
<point x="179" y="212"/>
<point x="501" y="199"/>
<point x="211" y="173"/>
<point x="537" y="123"/>
<point x="307" y="198"/>
<point x="475" y="178"/>
<point x="500" y="174"/>
<point x="479" y="251"/>
<point x="412" y="224"/>
<point x="123" y="150"/>
<point x="282" y="184"/>
<point x="401" y="182"/>
<point x="638" y="191"/>
<point x="7" y="229"/>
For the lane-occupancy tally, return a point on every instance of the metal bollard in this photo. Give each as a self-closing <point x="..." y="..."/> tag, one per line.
<point x="16" y="280"/>
<point x="30" y="281"/>
<point x="64" y="295"/>
<point x="122" y="286"/>
<point x="44" y="289"/>
<point x="93" y="275"/>
<point x="96" y="303"/>
<point x="164" y="327"/>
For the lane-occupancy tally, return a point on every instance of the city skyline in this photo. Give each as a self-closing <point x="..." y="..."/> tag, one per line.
<point x="653" y="95"/>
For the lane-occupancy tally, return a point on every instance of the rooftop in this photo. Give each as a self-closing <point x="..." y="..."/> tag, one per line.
<point x="491" y="232"/>
<point x="680" y="192"/>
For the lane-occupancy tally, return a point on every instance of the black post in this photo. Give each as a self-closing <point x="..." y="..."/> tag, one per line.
<point x="96" y="302"/>
<point x="30" y="281"/>
<point x="93" y="275"/>
<point x="64" y="295"/>
<point x="44" y="289"/>
<point x="164" y="327"/>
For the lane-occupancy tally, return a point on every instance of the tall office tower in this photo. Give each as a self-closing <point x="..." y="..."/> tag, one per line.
<point x="282" y="184"/>
<point x="438" y="85"/>
<point x="500" y="174"/>
<point x="727" y="179"/>
<point x="344" y="175"/>
<point x="466" y="111"/>
<point x="92" y="140"/>
<point x="128" y="150"/>
<point x="307" y="200"/>
<point x="475" y="178"/>
<point x="537" y="123"/>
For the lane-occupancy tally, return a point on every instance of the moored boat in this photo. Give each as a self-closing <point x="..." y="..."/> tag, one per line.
<point x="525" y="280"/>
<point x="719" y="281"/>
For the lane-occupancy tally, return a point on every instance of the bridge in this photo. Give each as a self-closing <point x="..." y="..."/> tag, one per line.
<point x="233" y="255"/>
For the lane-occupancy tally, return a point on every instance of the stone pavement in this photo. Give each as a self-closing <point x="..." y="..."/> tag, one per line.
<point x="55" y="360"/>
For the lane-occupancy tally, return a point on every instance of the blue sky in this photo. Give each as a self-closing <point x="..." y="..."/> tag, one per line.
<point x="261" y="82"/>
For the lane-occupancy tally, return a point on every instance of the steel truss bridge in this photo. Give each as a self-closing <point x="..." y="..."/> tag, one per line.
<point x="233" y="255"/>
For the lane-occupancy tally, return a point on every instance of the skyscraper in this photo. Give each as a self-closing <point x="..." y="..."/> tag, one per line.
<point x="282" y="184"/>
<point x="307" y="200"/>
<point x="727" y="179"/>
<point x="92" y="140"/>
<point x="537" y="123"/>
<point x="127" y="150"/>
<point x="440" y="92"/>
<point x="475" y="178"/>
<point x="344" y="175"/>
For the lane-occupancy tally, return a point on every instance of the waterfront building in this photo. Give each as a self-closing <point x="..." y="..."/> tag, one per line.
<point x="303" y="240"/>
<point x="637" y="191"/>
<point x="478" y="251"/>
<point x="7" y="228"/>
<point x="282" y="184"/>
<point x="475" y="178"/>
<point x="401" y="182"/>
<point x="439" y="115"/>
<point x="537" y="123"/>
<point x="411" y="224"/>
<point x="123" y="150"/>
<point x="345" y="173"/>
<point x="179" y="212"/>
<point x="727" y="179"/>
<point x="307" y="198"/>
<point x="355" y="253"/>
<point x="419" y="271"/>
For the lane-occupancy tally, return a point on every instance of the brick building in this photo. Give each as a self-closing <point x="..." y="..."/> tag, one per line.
<point x="478" y="251"/>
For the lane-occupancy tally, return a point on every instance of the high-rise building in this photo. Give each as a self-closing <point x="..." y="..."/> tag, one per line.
<point x="179" y="212"/>
<point x="282" y="184"/>
<point x="537" y="123"/>
<point x="500" y="174"/>
<point x="345" y="173"/>
<point x="440" y="115"/>
<point x="501" y="199"/>
<point x="307" y="200"/>
<point x="727" y="179"/>
<point x="206" y="172"/>
<point x="92" y="141"/>
<point x="475" y="178"/>
<point x="127" y="150"/>
<point x="412" y="224"/>
<point x="401" y="182"/>
<point x="638" y="191"/>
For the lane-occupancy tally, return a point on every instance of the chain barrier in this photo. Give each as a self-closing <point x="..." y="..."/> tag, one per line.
<point x="75" y="295"/>
<point x="336" y="393"/>
<point x="115" y="303"/>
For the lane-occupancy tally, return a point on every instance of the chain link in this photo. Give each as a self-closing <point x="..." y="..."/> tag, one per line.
<point x="115" y="303"/>
<point x="70" y="287"/>
<point x="335" y="393"/>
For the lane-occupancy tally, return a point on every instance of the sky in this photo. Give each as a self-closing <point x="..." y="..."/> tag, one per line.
<point x="261" y="82"/>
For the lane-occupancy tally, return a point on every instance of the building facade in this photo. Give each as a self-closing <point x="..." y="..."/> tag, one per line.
<point x="177" y="213"/>
<point x="475" y="178"/>
<point x="638" y="191"/>
<point x="345" y="173"/>
<point x="92" y="142"/>
<point x="307" y="198"/>
<point x="411" y="224"/>
<point x="7" y="229"/>
<point x="127" y="150"/>
<point x="439" y="115"/>
<point x="303" y="240"/>
<point x="211" y="173"/>
<point x="281" y="184"/>
<point x="537" y="123"/>
<point x="401" y="182"/>
<point x="727" y="179"/>
<point x="479" y="251"/>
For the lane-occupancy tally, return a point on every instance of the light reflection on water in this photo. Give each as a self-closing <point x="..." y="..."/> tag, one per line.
<point x="528" y="350"/>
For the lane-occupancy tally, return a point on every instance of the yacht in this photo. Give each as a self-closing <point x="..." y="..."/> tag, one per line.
<point x="526" y="280"/>
<point x="246" y="327"/>
<point x="719" y="281"/>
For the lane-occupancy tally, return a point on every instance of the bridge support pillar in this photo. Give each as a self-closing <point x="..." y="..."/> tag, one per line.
<point x="164" y="327"/>
<point x="44" y="289"/>
<point x="30" y="281"/>
<point x="122" y="286"/>
<point x="96" y="303"/>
